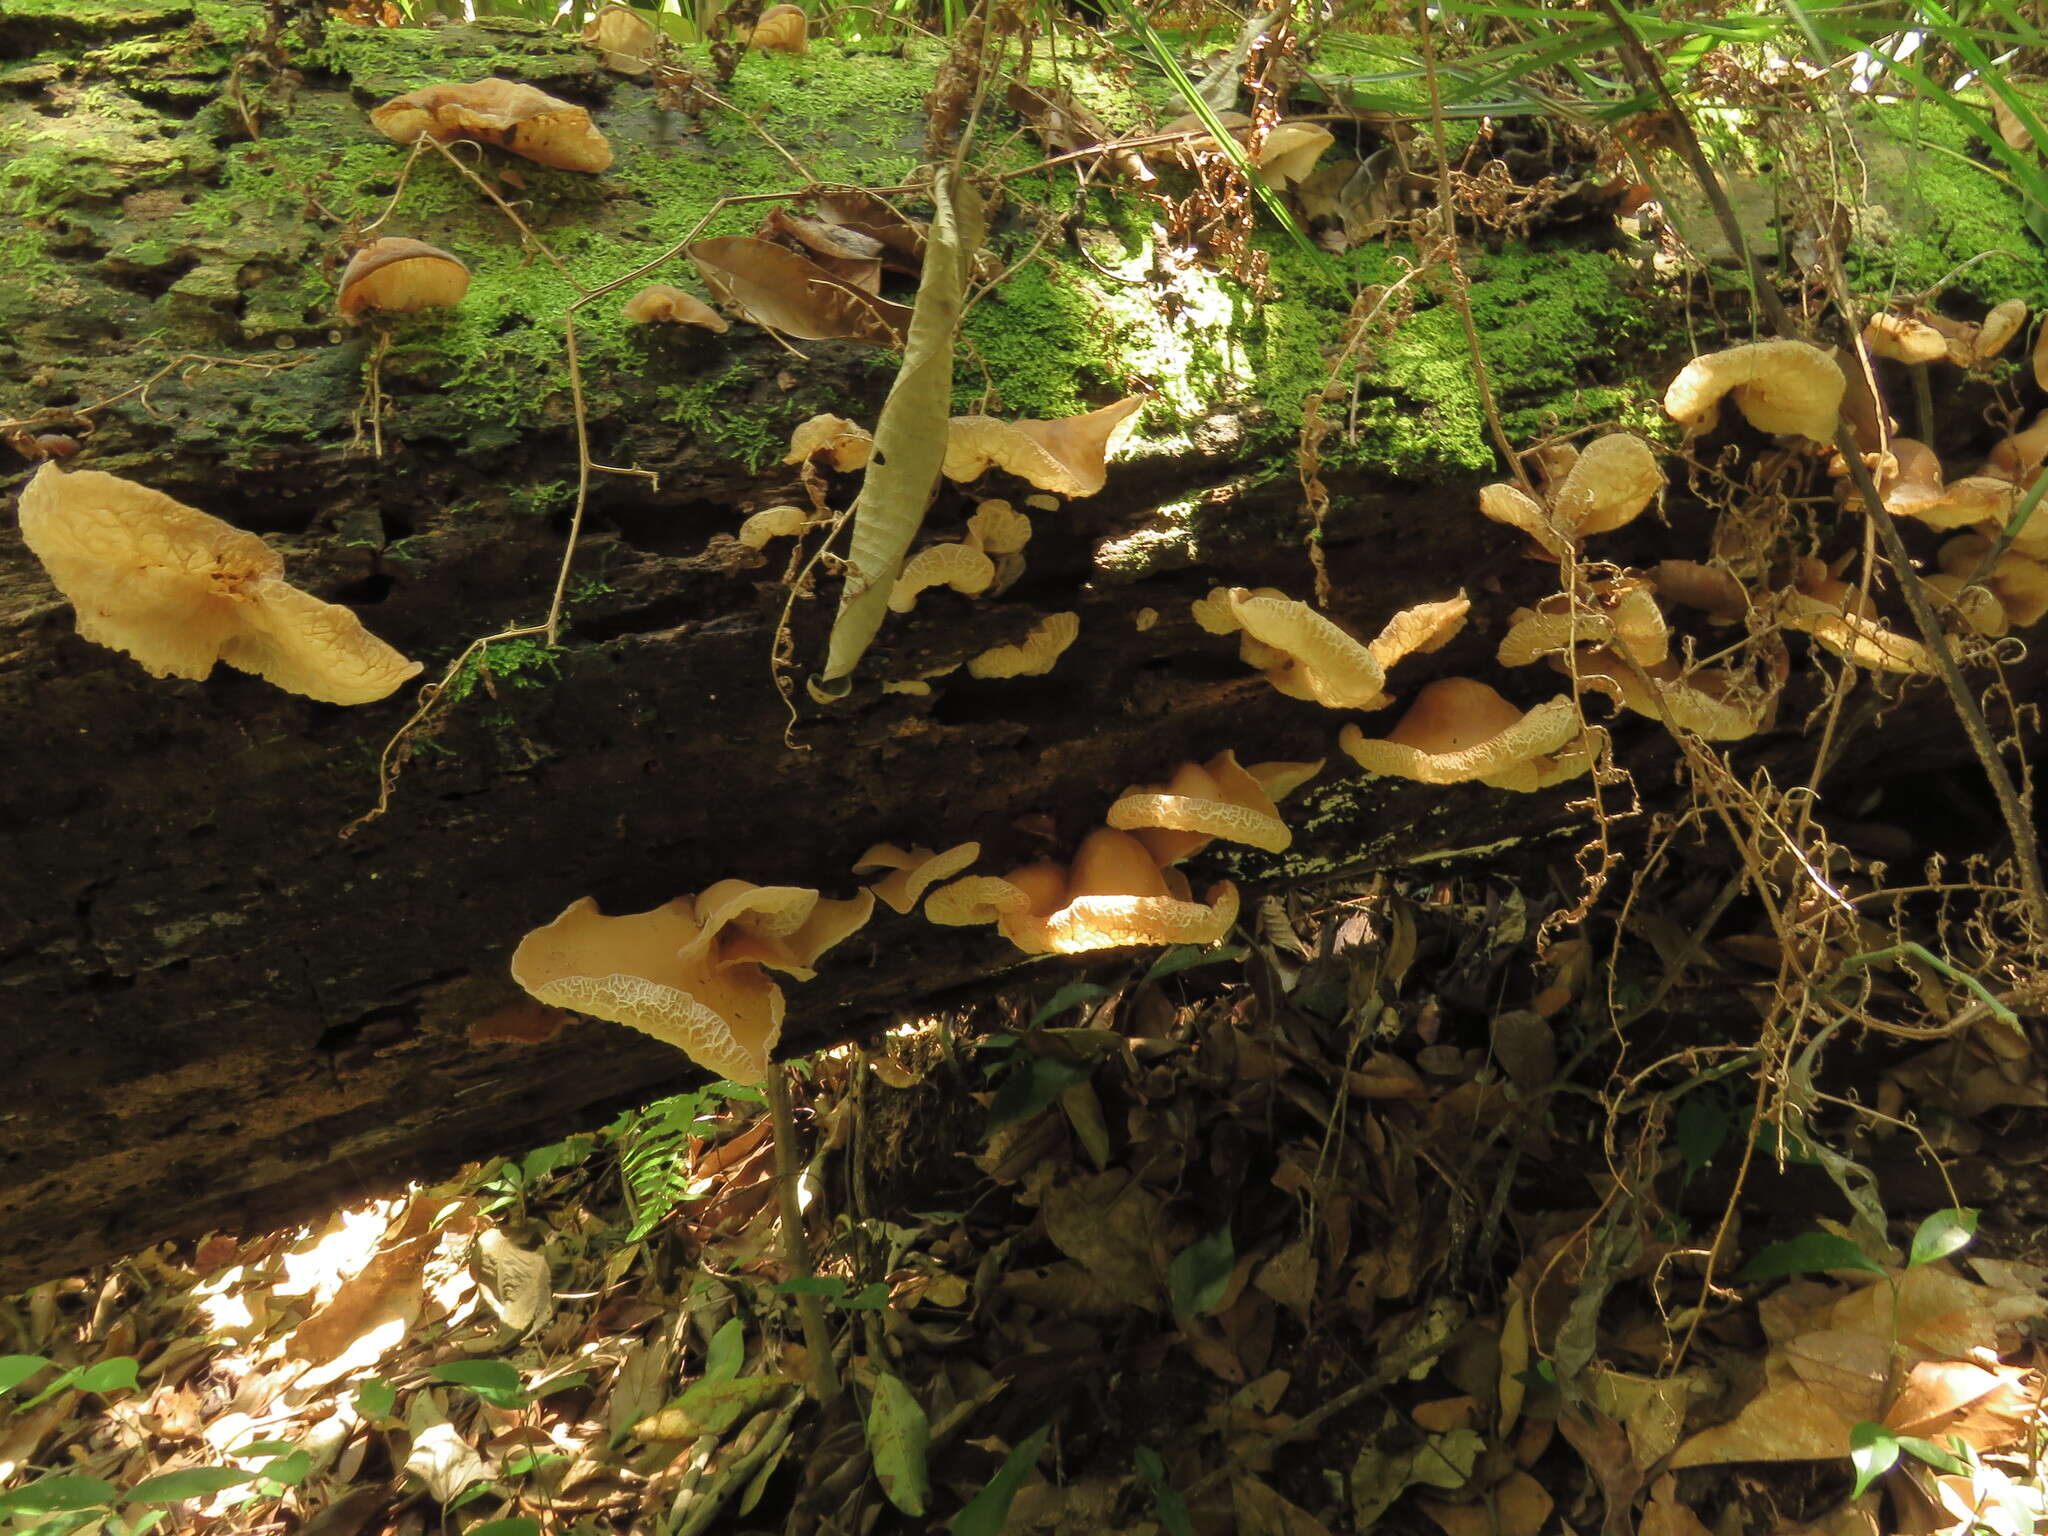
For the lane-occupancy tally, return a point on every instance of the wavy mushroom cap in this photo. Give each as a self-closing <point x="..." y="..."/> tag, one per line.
<point x="1904" y="339"/>
<point x="1304" y="654"/>
<point x="784" y="927"/>
<point x="783" y="28"/>
<point x="1510" y="504"/>
<point x="1610" y="483"/>
<point x="781" y="522"/>
<point x="677" y="306"/>
<point x="1459" y="729"/>
<point x="399" y="276"/>
<point x="1709" y="588"/>
<point x="1620" y="612"/>
<point x="1779" y="386"/>
<point x="1117" y="896"/>
<point x="626" y="44"/>
<point x="960" y="566"/>
<point x="845" y="445"/>
<point x="1706" y="701"/>
<point x="2019" y="581"/>
<point x="1033" y="656"/>
<point x="519" y="118"/>
<point x="631" y="970"/>
<point x="1017" y="903"/>
<point x="1291" y="149"/>
<point x="912" y="871"/>
<point x="1202" y="802"/>
<point x="179" y="590"/>
<point x="2004" y="322"/>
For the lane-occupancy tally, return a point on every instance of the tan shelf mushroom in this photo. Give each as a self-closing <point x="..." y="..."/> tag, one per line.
<point x="1842" y="620"/>
<point x="518" y="118"/>
<point x="1307" y="655"/>
<point x="690" y="972"/>
<point x="845" y="446"/>
<point x="1205" y="801"/>
<point x="781" y="29"/>
<point x="1458" y="729"/>
<point x="626" y="44"/>
<point x="1110" y="896"/>
<point x="1605" y="486"/>
<point x="398" y="276"/>
<point x="2017" y="580"/>
<point x="179" y="590"/>
<point x="1619" y="612"/>
<point x="1707" y="701"/>
<point x="1786" y="387"/>
<point x="912" y="871"/>
<point x="1033" y="656"/>
<point x="661" y="302"/>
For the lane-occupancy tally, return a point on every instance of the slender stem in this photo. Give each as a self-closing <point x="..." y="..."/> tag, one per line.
<point x="796" y="1250"/>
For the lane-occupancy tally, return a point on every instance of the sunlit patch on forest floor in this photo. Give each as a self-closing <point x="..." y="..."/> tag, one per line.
<point x="1378" y="1221"/>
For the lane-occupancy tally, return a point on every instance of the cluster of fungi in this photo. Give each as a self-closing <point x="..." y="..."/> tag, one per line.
<point x="179" y="590"/>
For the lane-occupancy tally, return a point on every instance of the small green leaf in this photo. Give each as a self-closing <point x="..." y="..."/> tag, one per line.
<point x="52" y="1494"/>
<point x="495" y="1381"/>
<point x="115" y="1375"/>
<point x="1031" y="1087"/>
<point x="871" y="1297"/>
<point x="727" y="1351"/>
<point x="264" y="1448"/>
<point x="1809" y="1253"/>
<point x="15" y="1369"/>
<point x="1071" y="995"/>
<point x="898" y="1436"/>
<point x="831" y="1287"/>
<point x="1200" y="1273"/>
<point x="1873" y="1451"/>
<point x="989" y="1510"/>
<point x="375" y="1398"/>
<point x="1171" y="1508"/>
<point x="1185" y="957"/>
<point x="188" y="1483"/>
<point x="1943" y="1233"/>
<point x="1702" y="1131"/>
<point x="286" y="1471"/>
<point x="511" y="1525"/>
<point x="1932" y="1454"/>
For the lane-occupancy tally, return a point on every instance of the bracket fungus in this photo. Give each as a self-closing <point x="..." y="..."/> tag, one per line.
<point x="781" y="522"/>
<point x="178" y="590"/>
<point x="626" y="44"/>
<point x="1621" y="612"/>
<point x="1205" y="801"/>
<point x="1306" y="655"/>
<point x="2017" y="580"/>
<point x="912" y="871"/>
<point x="1709" y="702"/>
<point x="1709" y="589"/>
<point x="845" y="446"/>
<point x="1841" y="620"/>
<point x="399" y="275"/>
<point x="519" y="118"/>
<point x="1033" y="656"/>
<point x="690" y="972"/>
<point x="1595" y="490"/>
<point x="960" y="566"/>
<point x="1904" y="339"/>
<point x="1068" y="457"/>
<point x="1112" y="894"/>
<point x="1788" y="387"/>
<point x="783" y="29"/>
<point x="1458" y="729"/>
<point x="661" y="302"/>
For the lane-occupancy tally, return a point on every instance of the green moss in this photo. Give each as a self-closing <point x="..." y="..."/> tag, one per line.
<point x="1942" y="202"/>
<point x="1043" y="339"/>
<point x="528" y="663"/>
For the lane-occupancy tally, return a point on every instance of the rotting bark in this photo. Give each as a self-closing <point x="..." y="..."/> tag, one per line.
<point x="214" y="1010"/>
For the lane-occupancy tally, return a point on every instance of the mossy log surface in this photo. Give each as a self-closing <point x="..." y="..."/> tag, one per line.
<point x="214" y="1010"/>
